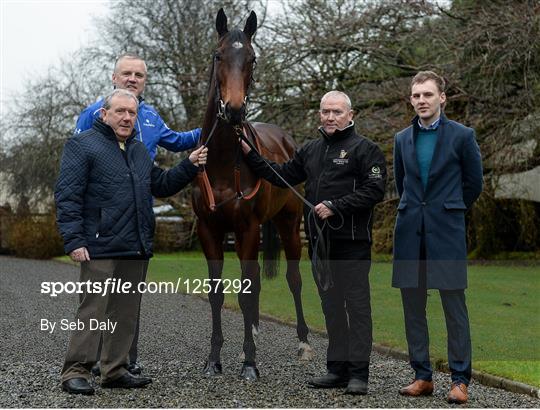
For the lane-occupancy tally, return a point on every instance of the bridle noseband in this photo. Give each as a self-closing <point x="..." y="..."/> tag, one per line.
<point x="221" y="106"/>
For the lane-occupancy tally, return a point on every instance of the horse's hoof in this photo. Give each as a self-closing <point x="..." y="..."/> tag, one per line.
<point x="249" y="373"/>
<point x="212" y="369"/>
<point x="305" y="352"/>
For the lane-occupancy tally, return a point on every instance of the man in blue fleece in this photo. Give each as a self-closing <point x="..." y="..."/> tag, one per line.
<point x="130" y="74"/>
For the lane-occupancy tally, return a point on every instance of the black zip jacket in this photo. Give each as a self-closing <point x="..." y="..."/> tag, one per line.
<point x="104" y="195"/>
<point x="346" y="169"/>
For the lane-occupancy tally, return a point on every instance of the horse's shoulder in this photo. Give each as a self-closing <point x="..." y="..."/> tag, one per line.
<point x="274" y="139"/>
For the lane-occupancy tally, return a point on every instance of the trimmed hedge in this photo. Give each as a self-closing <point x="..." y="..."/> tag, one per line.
<point x="34" y="237"/>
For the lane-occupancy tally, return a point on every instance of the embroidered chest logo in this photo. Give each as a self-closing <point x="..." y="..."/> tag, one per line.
<point x="342" y="160"/>
<point x="147" y="123"/>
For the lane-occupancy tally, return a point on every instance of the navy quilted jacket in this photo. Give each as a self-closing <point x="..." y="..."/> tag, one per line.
<point x="104" y="200"/>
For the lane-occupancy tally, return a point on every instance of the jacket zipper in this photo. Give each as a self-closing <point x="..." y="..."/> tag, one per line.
<point x="135" y="201"/>
<point x="367" y="225"/>
<point x="352" y="215"/>
<point x="99" y="223"/>
<point x="321" y="174"/>
<point x="140" y="130"/>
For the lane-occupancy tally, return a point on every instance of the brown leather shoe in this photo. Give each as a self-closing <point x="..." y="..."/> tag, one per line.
<point x="458" y="393"/>
<point x="417" y="388"/>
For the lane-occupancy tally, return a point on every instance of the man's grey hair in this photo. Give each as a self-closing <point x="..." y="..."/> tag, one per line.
<point x="340" y="94"/>
<point x="116" y="93"/>
<point x="133" y="56"/>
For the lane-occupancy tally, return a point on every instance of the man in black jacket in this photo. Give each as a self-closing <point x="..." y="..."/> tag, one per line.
<point x="104" y="213"/>
<point x="345" y="176"/>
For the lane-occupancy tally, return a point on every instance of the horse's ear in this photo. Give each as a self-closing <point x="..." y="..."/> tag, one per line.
<point x="221" y="23"/>
<point x="251" y="25"/>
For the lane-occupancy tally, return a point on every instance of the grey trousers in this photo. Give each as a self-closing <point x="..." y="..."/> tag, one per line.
<point x="117" y="307"/>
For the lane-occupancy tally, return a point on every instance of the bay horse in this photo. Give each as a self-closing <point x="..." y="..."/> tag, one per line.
<point x="244" y="202"/>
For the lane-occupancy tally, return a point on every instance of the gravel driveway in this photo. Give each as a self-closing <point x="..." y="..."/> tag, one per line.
<point x="173" y="346"/>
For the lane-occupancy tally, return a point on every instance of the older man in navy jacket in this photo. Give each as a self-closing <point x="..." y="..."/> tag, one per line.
<point x="130" y="74"/>
<point x="104" y="213"/>
<point x="438" y="174"/>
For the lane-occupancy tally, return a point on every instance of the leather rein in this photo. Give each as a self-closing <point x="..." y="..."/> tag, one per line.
<point x="242" y="131"/>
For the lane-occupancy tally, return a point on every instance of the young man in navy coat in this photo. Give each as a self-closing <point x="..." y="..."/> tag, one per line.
<point x="438" y="174"/>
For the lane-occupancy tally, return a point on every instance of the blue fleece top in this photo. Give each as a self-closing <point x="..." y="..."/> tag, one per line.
<point x="150" y="127"/>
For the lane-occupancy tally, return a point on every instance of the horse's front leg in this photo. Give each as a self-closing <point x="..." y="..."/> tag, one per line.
<point x="288" y="225"/>
<point x="248" y="298"/>
<point x="212" y="244"/>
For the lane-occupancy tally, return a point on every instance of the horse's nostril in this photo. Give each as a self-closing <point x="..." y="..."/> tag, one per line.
<point x="235" y="115"/>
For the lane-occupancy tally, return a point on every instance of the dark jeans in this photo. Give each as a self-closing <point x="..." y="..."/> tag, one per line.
<point x="347" y="310"/>
<point x="457" y="326"/>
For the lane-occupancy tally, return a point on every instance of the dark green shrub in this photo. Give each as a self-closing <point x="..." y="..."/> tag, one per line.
<point x="35" y="237"/>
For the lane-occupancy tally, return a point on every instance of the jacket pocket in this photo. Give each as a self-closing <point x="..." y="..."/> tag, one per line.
<point x="99" y="222"/>
<point x="106" y="220"/>
<point x="455" y="204"/>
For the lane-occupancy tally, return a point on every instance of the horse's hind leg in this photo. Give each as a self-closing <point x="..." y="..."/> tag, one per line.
<point x="247" y="249"/>
<point x="288" y="225"/>
<point x="212" y="244"/>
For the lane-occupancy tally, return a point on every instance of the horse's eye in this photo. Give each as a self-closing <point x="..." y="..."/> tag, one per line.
<point x="217" y="56"/>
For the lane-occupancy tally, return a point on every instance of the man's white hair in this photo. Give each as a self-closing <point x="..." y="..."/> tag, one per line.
<point x="339" y="94"/>
<point x="118" y="92"/>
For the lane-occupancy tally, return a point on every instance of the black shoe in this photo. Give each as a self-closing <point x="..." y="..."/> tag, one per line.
<point x="328" y="381"/>
<point x="77" y="385"/>
<point x="128" y="381"/>
<point x="356" y="386"/>
<point x="134" y="368"/>
<point x="96" y="371"/>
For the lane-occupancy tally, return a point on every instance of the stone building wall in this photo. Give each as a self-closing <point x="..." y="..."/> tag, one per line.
<point x="173" y="233"/>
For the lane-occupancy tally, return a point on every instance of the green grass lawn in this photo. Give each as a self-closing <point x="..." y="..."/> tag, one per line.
<point x="503" y="303"/>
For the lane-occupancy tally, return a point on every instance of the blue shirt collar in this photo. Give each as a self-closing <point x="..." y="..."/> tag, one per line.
<point x="433" y="126"/>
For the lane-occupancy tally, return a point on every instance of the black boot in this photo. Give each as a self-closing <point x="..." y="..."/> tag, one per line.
<point x="328" y="381"/>
<point x="356" y="386"/>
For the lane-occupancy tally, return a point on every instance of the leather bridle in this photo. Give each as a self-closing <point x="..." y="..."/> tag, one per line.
<point x="242" y="131"/>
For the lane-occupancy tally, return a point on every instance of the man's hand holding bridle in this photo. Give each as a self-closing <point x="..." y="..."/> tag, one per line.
<point x="323" y="211"/>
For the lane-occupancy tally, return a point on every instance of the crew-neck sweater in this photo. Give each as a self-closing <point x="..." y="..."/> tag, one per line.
<point x="425" y="146"/>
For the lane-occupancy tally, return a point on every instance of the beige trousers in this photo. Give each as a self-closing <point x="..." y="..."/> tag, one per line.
<point x="119" y="308"/>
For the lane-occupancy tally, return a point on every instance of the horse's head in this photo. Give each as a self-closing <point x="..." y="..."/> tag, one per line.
<point x="233" y="67"/>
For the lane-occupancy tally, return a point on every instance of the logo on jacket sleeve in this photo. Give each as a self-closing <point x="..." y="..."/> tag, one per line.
<point x="342" y="160"/>
<point x="375" y="172"/>
<point x="147" y="123"/>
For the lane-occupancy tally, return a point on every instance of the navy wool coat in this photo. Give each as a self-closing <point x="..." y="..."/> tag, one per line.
<point x="454" y="183"/>
<point x="104" y="200"/>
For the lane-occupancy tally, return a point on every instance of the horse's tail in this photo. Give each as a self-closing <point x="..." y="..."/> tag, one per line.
<point x="271" y="250"/>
